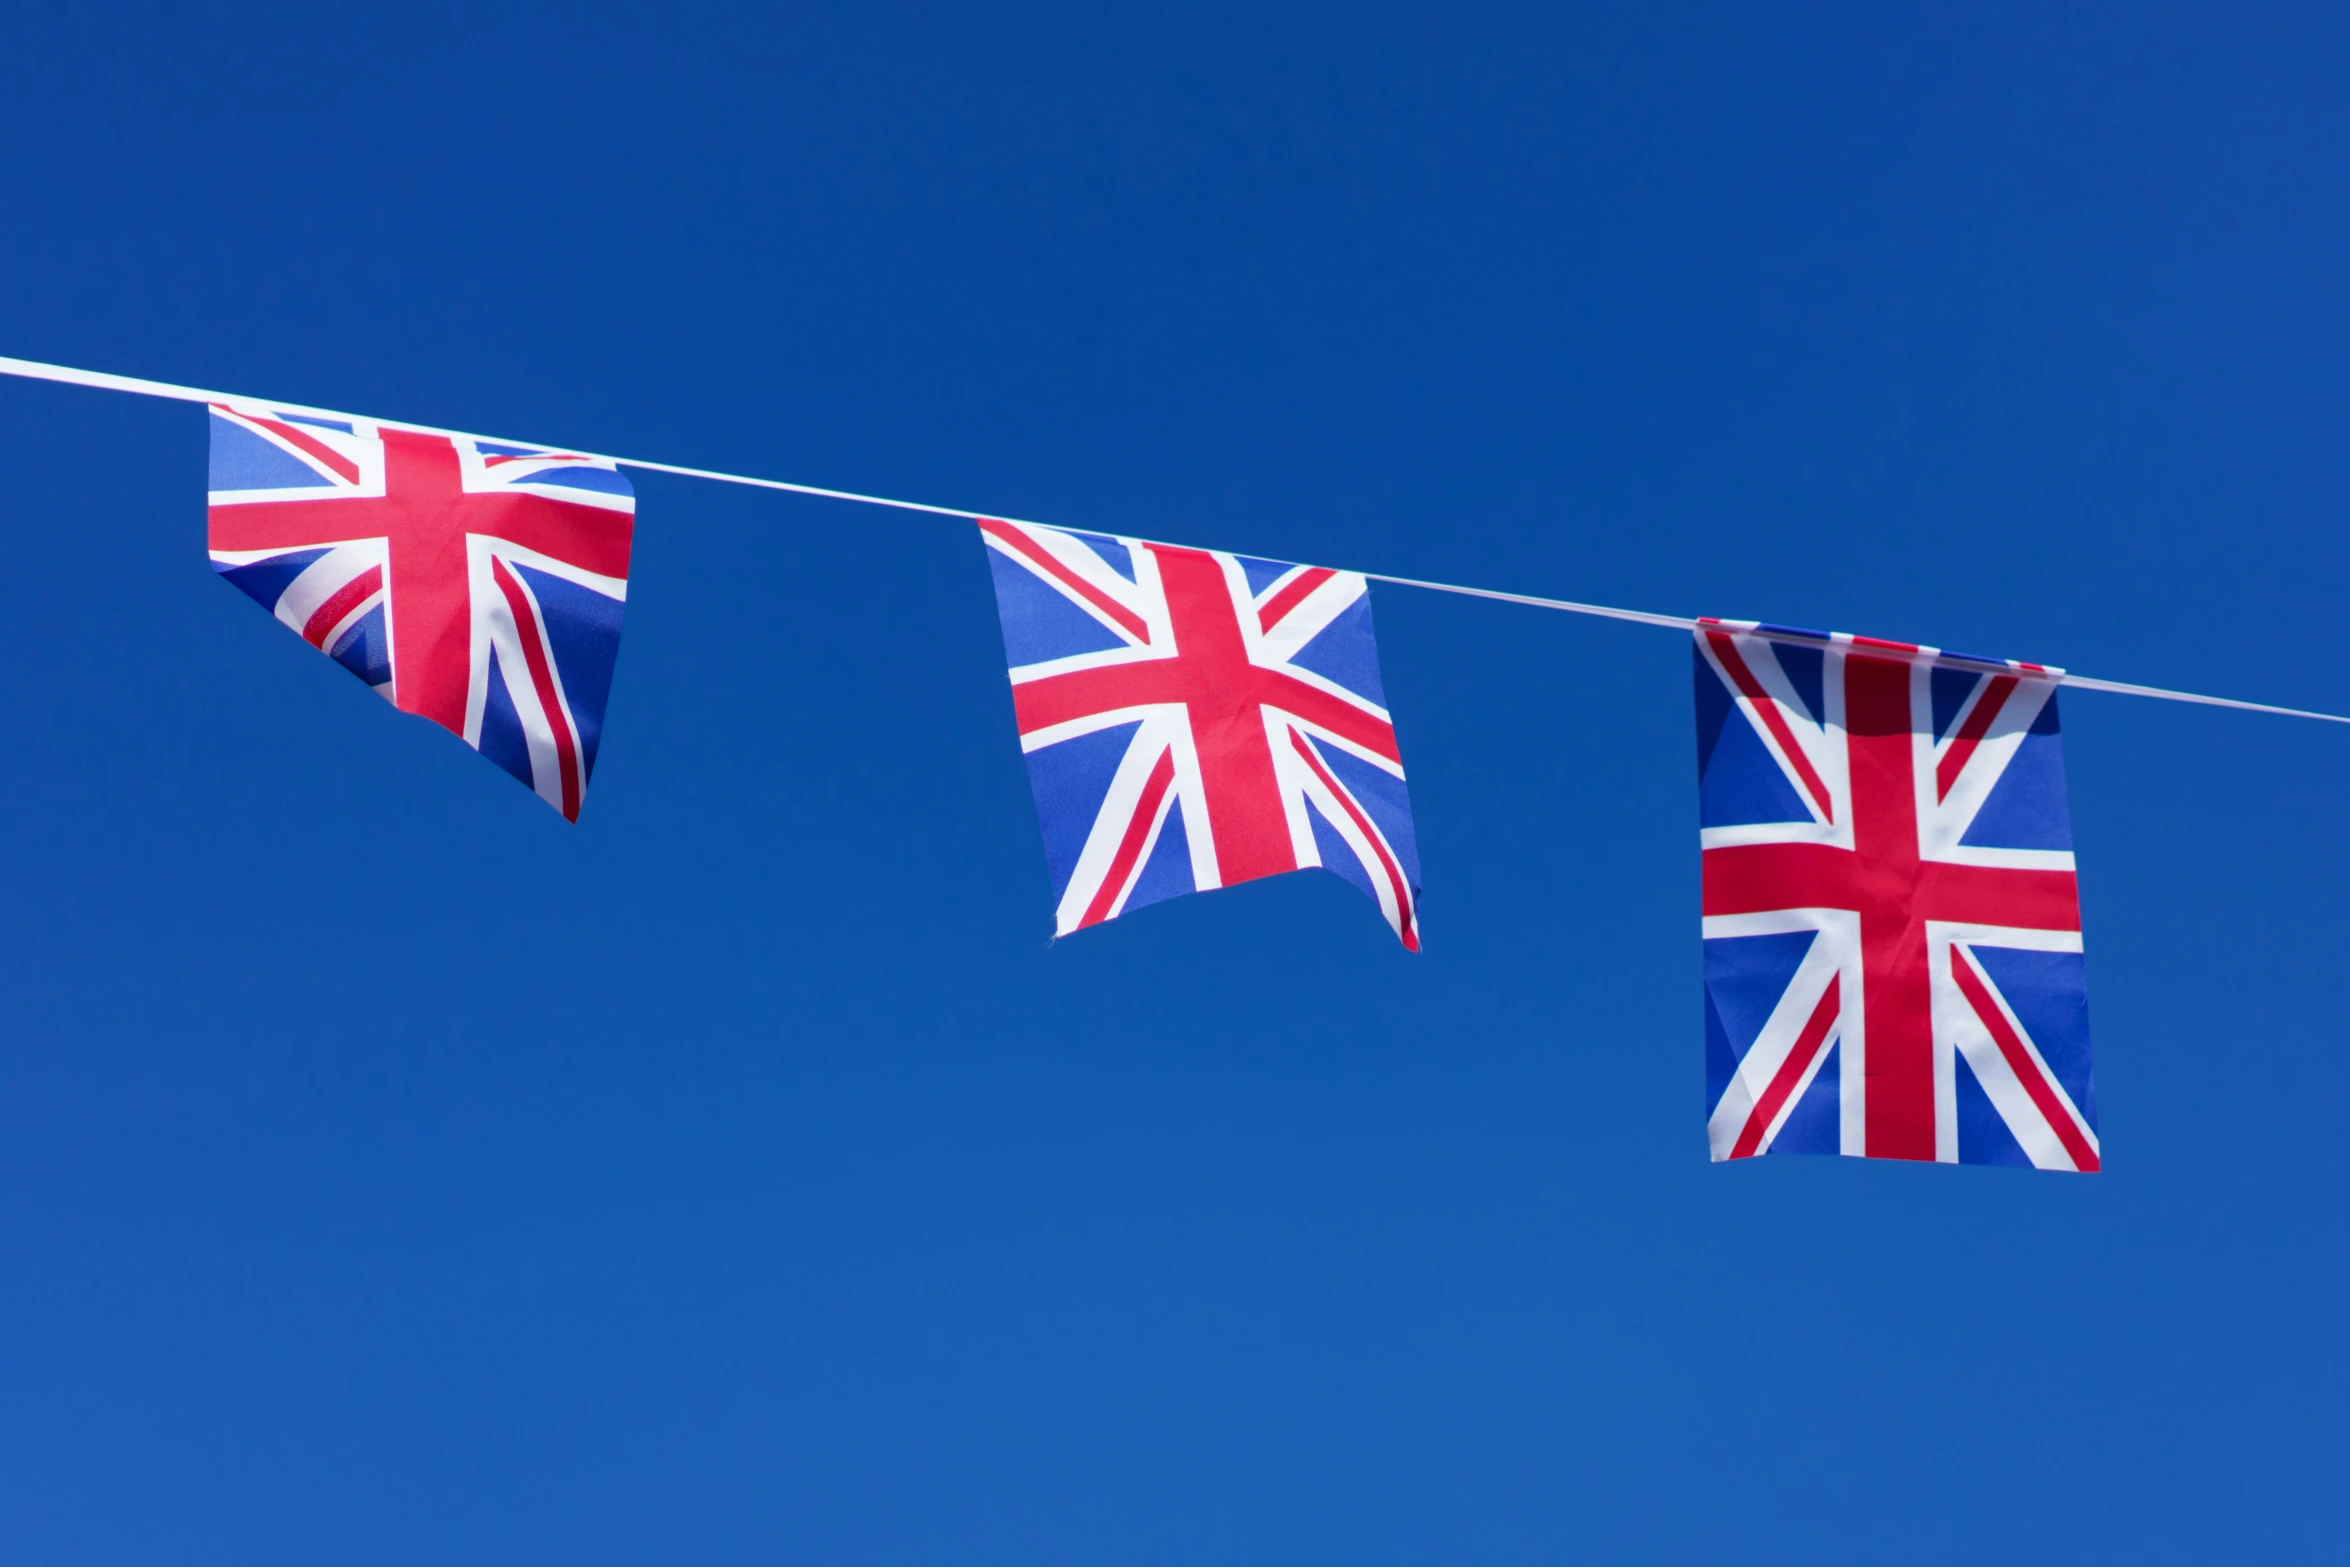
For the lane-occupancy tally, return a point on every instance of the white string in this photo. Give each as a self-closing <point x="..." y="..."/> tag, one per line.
<point x="1637" y="616"/>
<point x="2121" y="689"/>
<point x="35" y="370"/>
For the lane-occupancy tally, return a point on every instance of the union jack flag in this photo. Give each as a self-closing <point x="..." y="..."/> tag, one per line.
<point x="1892" y="926"/>
<point x="475" y="584"/>
<point x="1195" y="720"/>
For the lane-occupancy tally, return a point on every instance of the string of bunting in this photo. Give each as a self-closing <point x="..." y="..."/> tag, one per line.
<point x="1891" y="920"/>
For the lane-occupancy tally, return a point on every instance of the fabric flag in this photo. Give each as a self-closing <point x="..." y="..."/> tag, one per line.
<point x="1194" y="720"/>
<point x="1892" y="927"/>
<point x="474" y="584"/>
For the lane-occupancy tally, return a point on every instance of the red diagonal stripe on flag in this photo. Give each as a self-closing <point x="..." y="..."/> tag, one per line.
<point x="542" y="680"/>
<point x="1752" y="689"/>
<point x="1292" y="595"/>
<point x="1410" y="930"/>
<point x="2019" y="1060"/>
<point x="1130" y="846"/>
<point x="311" y="446"/>
<point x="1791" y="1070"/>
<point x="1026" y="548"/>
<point x="339" y="603"/>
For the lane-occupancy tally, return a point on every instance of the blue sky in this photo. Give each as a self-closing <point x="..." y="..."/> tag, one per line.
<point x="391" y="1172"/>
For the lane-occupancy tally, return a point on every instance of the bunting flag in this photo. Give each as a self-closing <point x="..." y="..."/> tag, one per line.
<point x="1194" y="720"/>
<point x="1892" y="927"/>
<point x="475" y="584"/>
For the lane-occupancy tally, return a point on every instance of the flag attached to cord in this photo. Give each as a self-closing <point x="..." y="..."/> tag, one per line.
<point x="1193" y="720"/>
<point x="475" y="584"/>
<point x="1892" y="926"/>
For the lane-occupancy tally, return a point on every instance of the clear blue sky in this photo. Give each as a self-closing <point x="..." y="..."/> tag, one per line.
<point x="391" y="1173"/>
